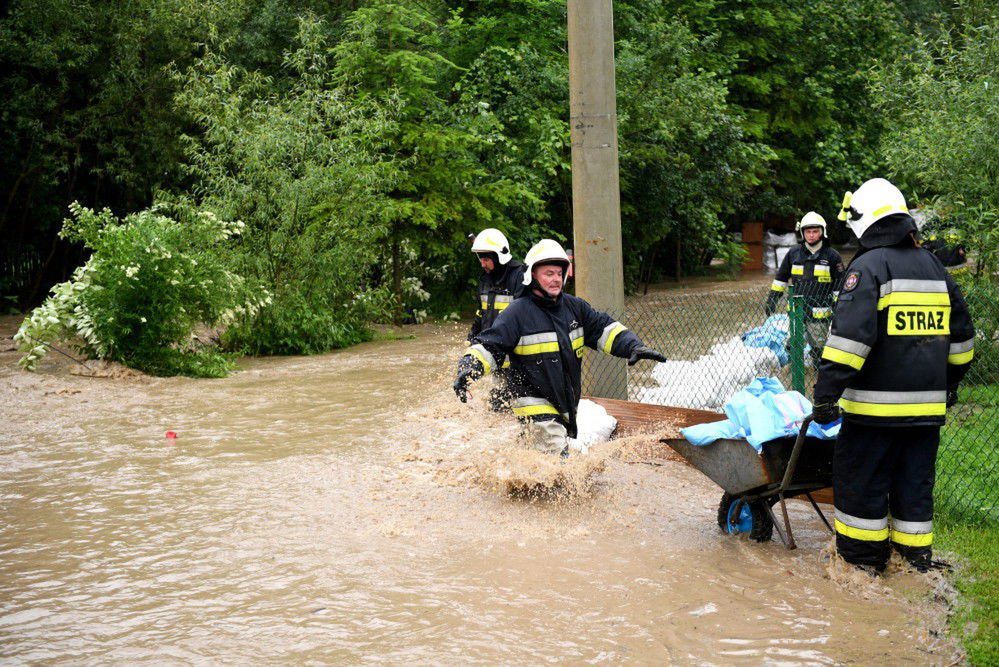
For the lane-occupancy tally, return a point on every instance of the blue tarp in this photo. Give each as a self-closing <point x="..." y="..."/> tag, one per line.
<point x="762" y="411"/>
<point x="773" y="334"/>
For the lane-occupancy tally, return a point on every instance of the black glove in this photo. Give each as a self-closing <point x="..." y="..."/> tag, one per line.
<point x="825" y="413"/>
<point x="643" y="352"/>
<point x="951" y="398"/>
<point x="469" y="369"/>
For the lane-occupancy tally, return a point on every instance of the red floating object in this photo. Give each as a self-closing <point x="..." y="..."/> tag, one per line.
<point x="171" y="435"/>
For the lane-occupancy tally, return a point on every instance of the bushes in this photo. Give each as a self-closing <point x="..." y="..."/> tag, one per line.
<point x="152" y="278"/>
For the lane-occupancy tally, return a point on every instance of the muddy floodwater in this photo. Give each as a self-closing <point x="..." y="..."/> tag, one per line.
<point x="336" y="509"/>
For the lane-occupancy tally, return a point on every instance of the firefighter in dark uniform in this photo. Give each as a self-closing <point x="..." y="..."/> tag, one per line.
<point x="502" y="278"/>
<point x="543" y="335"/>
<point x="501" y="282"/>
<point x="900" y="343"/>
<point x="814" y="269"/>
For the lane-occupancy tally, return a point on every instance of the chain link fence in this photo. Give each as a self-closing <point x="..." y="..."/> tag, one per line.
<point x="719" y="339"/>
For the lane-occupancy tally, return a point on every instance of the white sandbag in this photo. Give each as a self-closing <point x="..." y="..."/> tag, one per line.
<point x="593" y="425"/>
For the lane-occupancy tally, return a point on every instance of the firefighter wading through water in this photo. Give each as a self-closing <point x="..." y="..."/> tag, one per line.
<point x="543" y="335"/>
<point x="900" y="343"/>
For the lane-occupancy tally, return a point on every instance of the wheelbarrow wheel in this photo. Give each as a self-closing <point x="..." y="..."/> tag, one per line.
<point x="736" y="516"/>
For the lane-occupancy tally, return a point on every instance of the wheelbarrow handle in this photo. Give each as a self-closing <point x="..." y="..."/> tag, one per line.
<point x="792" y="463"/>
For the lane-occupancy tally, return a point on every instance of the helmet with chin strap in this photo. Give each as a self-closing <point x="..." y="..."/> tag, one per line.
<point x="811" y="219"/>
<point x="545" y="251"/>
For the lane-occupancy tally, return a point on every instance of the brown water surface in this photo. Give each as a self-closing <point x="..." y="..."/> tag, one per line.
<point x="330" y="509"/>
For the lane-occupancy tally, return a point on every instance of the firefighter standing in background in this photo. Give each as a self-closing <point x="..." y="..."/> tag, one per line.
<point x="814" y="269"/>
<point x="543" y="335"/>
<point x="502" y="278"/>
<point x="502" y="282"/>
<point x="900" y="343"/>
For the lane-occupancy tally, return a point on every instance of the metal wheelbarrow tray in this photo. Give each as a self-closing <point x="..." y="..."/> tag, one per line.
<point x="753" y="482"/>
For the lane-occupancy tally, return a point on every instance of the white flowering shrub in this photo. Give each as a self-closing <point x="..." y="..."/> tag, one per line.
<point x="151" y="279"/>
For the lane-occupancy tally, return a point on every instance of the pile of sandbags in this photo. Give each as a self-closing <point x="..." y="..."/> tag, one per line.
<point x="708" y="381"/>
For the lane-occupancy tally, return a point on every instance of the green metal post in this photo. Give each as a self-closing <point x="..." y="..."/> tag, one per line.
<point x="796" y="315"/>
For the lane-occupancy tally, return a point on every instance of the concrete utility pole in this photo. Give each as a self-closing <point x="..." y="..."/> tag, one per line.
<point x="596" y="202"/>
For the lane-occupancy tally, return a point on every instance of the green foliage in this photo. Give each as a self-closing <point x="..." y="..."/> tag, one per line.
<point x="306" y="171"/>
<point x="152" y="278"/>
<point x="944" y="99"/>
<point x="390" y="56"/>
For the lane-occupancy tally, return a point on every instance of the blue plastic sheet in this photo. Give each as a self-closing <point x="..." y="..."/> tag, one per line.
<point x="772" y="334"/>
<point x="762" y="411"/>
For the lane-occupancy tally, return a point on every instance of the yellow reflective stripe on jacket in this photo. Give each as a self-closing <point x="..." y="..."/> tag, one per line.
<point x="914" y="299"/>
<point x="845" y="351"/>
<point x="961" y="353"/>
<point x="913" y="292"/>
<point x="538" y="343"/>
<point x="868" y="530"/>
<point x="528" y="406"/>
<point x="611" y="331"/>
<point x="483" y="355"/>
<point x="821" y="270"/>
<point x="872" y="403"/>
<point x="500" y="301"/>
<point x="778" y="286"/>
<point x="797" y="269"/>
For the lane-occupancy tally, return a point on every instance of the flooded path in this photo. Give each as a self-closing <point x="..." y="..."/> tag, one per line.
<point x="326" y="509"/>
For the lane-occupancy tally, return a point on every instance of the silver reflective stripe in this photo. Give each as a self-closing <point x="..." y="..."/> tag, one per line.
<point x="863" y="524"/>
<point x="576" y="333"/>
<point x="913" y="285"/>
<point x="821" y="269"/>
<point x="534" y="339"/>
<point x="912" y="527"/>
<point x="608" y="330"/>
<point x="778" y="283"/>
<point x="527" y="401"/>
<point x="503" y="298"/>
<point x="847" y="345"/>
<point x="961" y="348"/>
<point x="895" y="397"/>
<point x="490" y="360"/>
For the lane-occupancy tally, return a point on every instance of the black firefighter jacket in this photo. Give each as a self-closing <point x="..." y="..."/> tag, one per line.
<point x="543" y="339"/>
<point x="814" y="275"/>
<point x="901" y="334"/>
<point x="497" y="290"/>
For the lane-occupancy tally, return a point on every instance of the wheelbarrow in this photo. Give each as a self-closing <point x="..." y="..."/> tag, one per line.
<point x="754" y="482"/>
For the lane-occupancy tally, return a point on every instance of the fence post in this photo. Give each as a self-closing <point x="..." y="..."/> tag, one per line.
<point x="796" y="316"/>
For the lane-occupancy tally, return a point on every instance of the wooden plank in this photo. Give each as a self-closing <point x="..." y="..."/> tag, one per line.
<point x="636" y="417"/>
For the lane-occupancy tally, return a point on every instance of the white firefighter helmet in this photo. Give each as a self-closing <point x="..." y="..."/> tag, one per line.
<point x="492" y="240"/>
<point x="543" y="252"/>
<point x="872" y="201"/>
<point x="811" y="219"/>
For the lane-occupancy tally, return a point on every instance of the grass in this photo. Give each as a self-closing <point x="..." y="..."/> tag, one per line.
<point x="967" y="487"/>
<point x="975" y="621"/>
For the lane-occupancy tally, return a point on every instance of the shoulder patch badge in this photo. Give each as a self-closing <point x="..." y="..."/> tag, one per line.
<point x="851" y="280"/>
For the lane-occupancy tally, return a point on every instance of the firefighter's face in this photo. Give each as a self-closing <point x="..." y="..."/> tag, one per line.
<point x="812" y="234"/>
<point x="549" y="277"/>
<point x="487" y="263"/>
